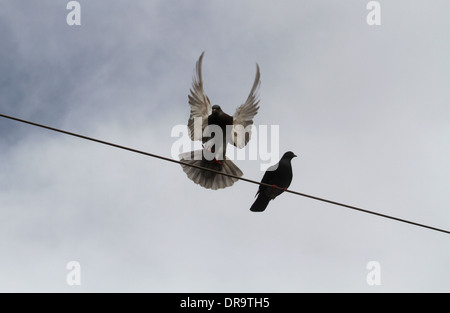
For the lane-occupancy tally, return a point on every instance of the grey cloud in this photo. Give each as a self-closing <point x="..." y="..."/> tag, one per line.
<point x="364" y="108"/>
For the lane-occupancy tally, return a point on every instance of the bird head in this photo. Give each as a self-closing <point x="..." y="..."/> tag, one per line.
<point x="216" y="109"/>
<point x="289" y="155"/>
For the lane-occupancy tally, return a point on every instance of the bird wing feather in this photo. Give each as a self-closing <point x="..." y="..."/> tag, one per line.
<point x="243" y="117"/>
<point x="199" y="103"/>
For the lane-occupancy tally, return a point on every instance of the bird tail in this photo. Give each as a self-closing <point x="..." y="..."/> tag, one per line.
<point x="260" y="203"/>
<point x="207" y="179"/>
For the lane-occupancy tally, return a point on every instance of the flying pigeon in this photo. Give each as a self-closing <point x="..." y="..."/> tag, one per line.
<point x="205" y="122"/>
<point x="279" y="175"/>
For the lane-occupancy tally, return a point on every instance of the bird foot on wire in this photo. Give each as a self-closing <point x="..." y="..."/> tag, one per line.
<point x="218" y="162"/>
<point x="277" y="187"/>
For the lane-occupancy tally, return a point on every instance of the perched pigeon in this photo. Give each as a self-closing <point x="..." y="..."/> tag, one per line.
<point x="204" y="122"/>
<point x="279" y="175"/>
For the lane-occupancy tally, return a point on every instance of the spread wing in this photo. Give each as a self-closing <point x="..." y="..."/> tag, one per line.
<point x="243" y="117"/>
<point x="199" y="103"/>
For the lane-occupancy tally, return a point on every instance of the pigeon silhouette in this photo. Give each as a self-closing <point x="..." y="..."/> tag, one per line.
<point x="216" y="129"/>
<point x="279" y="175"/>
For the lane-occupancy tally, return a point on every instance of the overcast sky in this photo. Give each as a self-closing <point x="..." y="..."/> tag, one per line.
<point x="366" y="108"/>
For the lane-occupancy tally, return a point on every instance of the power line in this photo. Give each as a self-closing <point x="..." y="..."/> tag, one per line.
<point x="218" y="172"/>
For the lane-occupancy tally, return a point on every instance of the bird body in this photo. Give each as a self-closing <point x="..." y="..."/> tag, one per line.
<point x="206" y="123"/>
<point x="215" y="144"/>
<point x="279" y="176"/>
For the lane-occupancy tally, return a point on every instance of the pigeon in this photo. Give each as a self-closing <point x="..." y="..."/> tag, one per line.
<point x="279" y="175"/>
<point x="206" y="123"/>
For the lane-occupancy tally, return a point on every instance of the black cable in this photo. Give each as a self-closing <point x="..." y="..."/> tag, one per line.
<point x="217" y="172"/>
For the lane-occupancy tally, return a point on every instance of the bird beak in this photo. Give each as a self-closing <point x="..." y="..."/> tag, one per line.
<point x="295" y="155"/>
